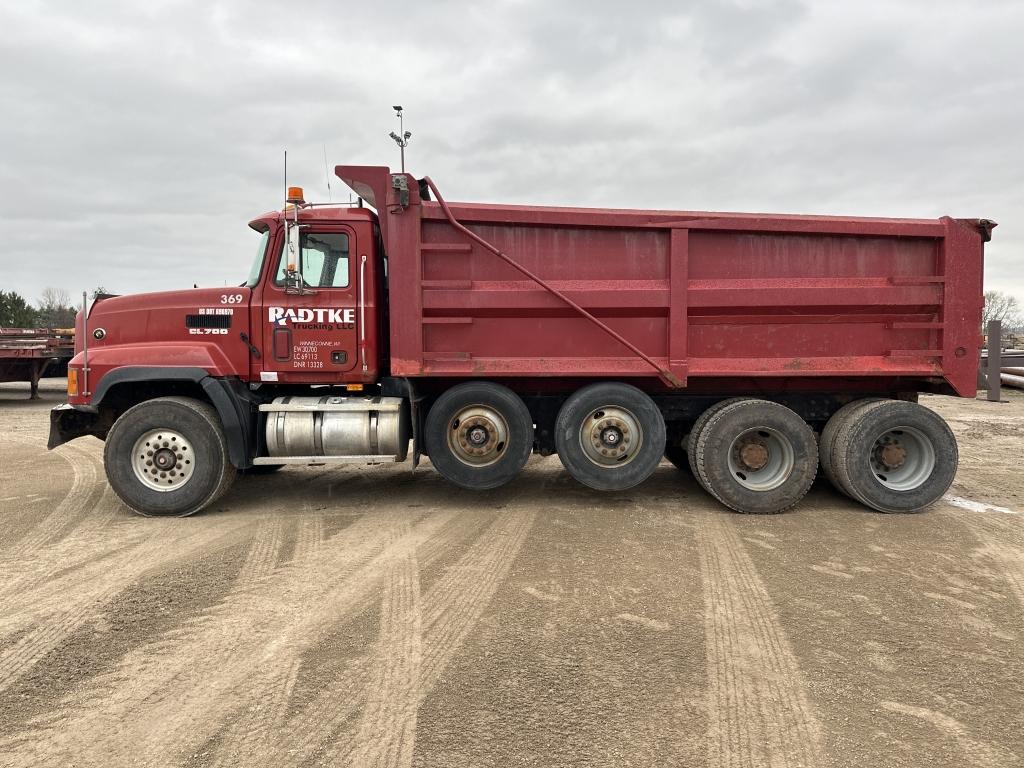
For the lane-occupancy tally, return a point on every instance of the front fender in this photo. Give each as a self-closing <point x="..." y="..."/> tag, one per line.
<point x="165" y="356"/>
<point x="227" y="396"/>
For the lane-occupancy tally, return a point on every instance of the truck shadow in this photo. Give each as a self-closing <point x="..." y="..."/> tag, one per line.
<point x="543" y="484"/>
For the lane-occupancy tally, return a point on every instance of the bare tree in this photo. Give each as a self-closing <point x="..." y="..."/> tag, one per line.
<point x="54" y="297"/>
<point x="55" y="309"/>
<point x="1004" y="308"/>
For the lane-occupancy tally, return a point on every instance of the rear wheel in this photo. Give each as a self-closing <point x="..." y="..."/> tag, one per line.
<point x="826" y="445"/>
<point x="895" y="456"/>
<point x="168" y="457"/>
<point x="698" y="426"/>
<point x="479" y="435"/>
<point x="610" y="436"/>
<point x="756" y="457"/>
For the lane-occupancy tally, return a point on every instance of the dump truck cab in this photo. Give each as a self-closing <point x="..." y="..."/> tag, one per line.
<point x="317" y="291"/>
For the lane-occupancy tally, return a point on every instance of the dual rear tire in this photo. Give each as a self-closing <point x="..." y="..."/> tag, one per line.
<point x="754" y="456"/>
<point x="890" y="455"/>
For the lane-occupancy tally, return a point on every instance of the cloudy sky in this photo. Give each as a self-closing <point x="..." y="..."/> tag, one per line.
<point x="139" y="138"/>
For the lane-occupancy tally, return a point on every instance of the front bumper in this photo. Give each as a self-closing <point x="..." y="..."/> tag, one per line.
<point x="70" y="421"/>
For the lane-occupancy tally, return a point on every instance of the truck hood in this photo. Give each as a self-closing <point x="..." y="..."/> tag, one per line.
<point x="161" y="316"/>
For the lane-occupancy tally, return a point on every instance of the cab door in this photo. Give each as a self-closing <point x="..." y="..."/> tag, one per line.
<point x="310" y="333"/>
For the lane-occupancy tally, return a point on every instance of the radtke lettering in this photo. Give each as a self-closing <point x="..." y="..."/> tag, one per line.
<point x="313" y="318"/>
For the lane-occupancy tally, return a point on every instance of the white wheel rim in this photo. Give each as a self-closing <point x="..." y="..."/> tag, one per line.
<point x="902" y="458"/>
<point x="478" y="435"/>
<point x="163" y="460"/>
<point x="761" y="459"/>
<point x="611" y="436"/>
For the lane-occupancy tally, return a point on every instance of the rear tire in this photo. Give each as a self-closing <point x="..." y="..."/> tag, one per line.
<point x="610" y="436"/>
<point x="756" y="457"/>
<point x="827" y="443"/>
<point x="168" y="457"/>
<point x="895" y="456"/>
<point x="698" y="427"/>
<point x="479" y="435"/>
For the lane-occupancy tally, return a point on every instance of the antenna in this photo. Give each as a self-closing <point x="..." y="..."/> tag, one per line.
<point x="402" y="137"/>
<point x="327" y="175"/>
<point x="286" y="174"/>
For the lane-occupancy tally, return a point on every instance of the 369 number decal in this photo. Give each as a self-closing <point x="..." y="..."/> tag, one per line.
<point x="231" y="298"/>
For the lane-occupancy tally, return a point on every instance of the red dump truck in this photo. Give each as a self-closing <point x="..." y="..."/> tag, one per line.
<point x="741" y="347"/>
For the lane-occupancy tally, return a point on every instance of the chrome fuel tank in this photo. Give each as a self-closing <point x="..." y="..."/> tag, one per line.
<point x="337" y="426"/>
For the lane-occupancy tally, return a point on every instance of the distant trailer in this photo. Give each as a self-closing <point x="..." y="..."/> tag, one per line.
<point x="27" y="353"/>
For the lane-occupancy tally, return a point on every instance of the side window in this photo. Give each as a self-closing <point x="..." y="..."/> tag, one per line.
<point x="324" y="260"/>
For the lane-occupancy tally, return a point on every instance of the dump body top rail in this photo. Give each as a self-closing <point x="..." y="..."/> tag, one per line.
<point x="698" y="295"/>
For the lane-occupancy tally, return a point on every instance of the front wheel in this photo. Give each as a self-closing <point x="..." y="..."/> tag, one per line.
<point x="168" y="457"/>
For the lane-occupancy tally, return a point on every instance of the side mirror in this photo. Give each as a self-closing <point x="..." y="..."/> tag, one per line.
<point x="293" y="282"/>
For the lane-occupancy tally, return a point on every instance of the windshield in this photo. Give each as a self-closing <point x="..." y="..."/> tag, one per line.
<point x="257" y="263"/>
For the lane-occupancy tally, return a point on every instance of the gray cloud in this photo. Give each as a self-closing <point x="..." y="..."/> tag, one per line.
<point x="138" y="139"/>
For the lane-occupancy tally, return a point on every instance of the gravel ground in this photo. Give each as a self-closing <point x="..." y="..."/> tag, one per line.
<point x="371" y="616"/>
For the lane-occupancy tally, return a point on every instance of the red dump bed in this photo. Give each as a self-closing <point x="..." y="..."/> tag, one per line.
<point x="696" y="295"/>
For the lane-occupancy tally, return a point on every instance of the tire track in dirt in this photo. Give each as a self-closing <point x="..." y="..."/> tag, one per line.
<point x="759" y="713"/>
<point x="450" y="610"/>
<point x="387" y="727"/>
<point x="246" y="738"/>
<point x="211" y="702"/>
<point x="261" y="558"/>
<point x="310" y="535"/>
<point x="52" y="615"/>
<point x="977" y="753"/>
<point x="1001" y="535"/>
<point x="336" y="703"/>
<point x="187" y="683"/>
<point x="75" y="504"/>
<point x="52" y="563"/>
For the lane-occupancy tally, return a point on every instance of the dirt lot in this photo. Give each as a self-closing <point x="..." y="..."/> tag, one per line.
<point x="369" y="616"/>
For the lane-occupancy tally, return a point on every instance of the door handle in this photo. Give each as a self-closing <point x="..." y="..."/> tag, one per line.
<point x="282" y="344"/>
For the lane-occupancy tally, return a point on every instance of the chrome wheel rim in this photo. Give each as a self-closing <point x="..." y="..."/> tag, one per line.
<point x="478" y="435"/>
<point x="611" y="436"/>
<point x="163" y="460"/>
<point x="761" y="459"/>
<point x="902" y="458"/>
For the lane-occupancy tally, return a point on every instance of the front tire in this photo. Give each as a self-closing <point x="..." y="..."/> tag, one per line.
<point x="479" y="435"/>
<point x="168" y="457"/>
<point x="610" y="436"/>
